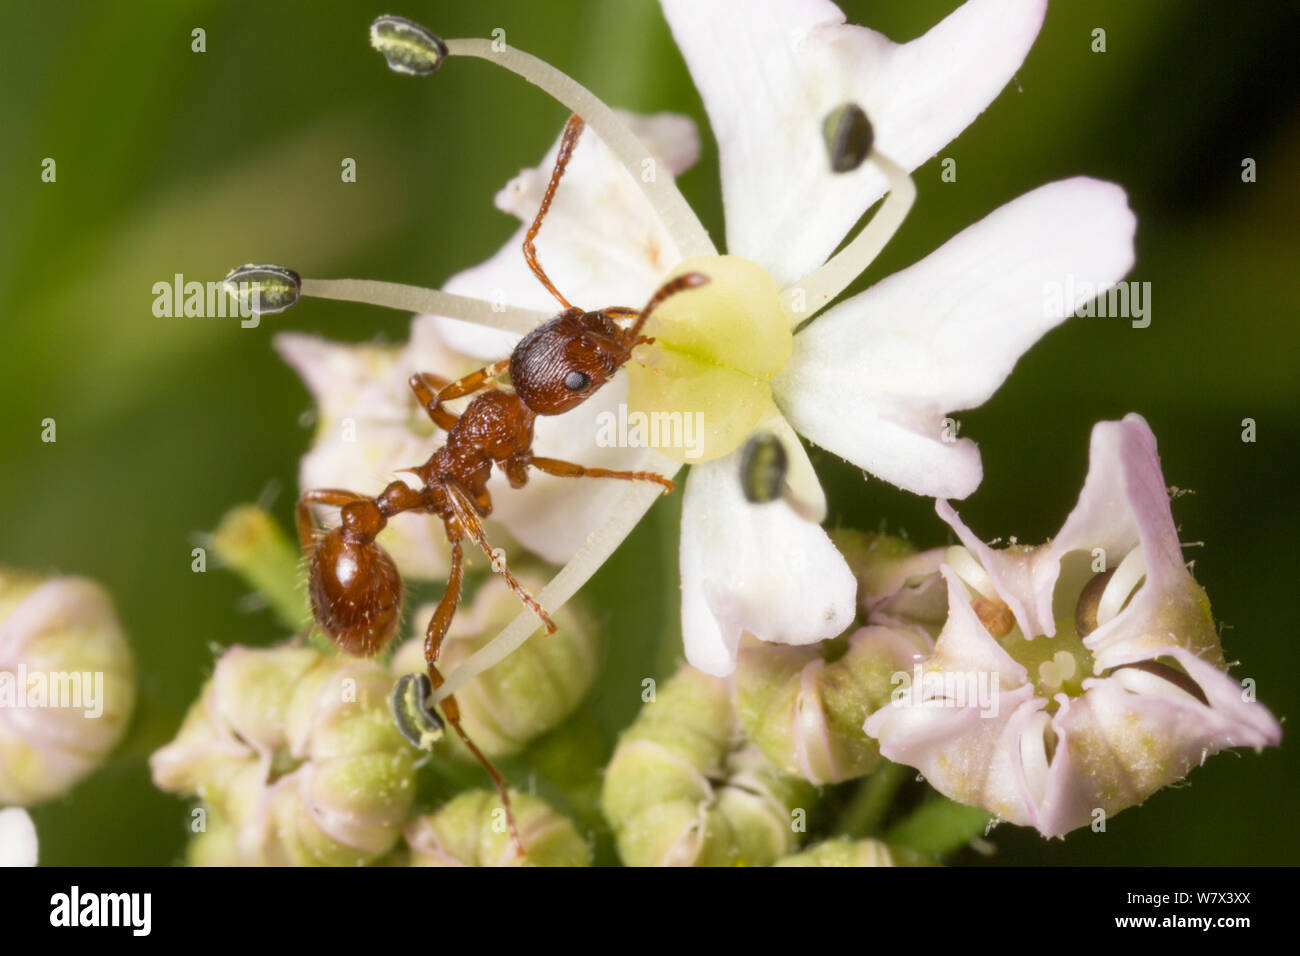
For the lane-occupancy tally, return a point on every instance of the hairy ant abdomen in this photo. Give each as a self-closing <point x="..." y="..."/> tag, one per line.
<point x="356" y="593"/>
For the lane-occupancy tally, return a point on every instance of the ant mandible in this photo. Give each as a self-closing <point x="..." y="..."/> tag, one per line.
<point x="356" y="590"/>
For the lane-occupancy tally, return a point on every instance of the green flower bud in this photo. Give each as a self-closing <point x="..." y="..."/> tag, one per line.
<point x="471" y="830"/>
<point x="298" y="751"/>
<point x="845" y="852"/>
<point x="897" y="585"/>
<point x="67" y="684"/>
<point x="250" y="542"/>
<point x="530" y="692"/>
<point x="678" y="793"/>
<point x="806" y="710"/>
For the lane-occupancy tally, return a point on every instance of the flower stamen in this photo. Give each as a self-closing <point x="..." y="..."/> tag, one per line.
<point x="811" y="294"/>
<point x="1120" y="588"/>
<point x="410" y="298"/>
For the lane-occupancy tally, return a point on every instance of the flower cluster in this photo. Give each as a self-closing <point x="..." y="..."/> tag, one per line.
<point x="1048" y="686"/>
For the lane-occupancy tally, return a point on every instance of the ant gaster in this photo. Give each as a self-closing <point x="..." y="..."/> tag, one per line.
<point x="356" y="591"/>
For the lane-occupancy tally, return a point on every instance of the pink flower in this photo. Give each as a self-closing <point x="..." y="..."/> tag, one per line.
<point x="1110" y="681"/>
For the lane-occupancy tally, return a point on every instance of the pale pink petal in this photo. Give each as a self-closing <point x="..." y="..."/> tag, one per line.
<point x="769" y="71"/>
<point x="969" y="752"/>
<point x="1116" y="747"/>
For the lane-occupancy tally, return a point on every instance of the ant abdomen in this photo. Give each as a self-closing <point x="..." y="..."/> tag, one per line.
<point x="356" y="593"/>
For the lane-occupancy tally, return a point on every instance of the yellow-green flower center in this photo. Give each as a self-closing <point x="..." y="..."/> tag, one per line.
<point x="715" y="353"/>
<point x="1056" y="664"/>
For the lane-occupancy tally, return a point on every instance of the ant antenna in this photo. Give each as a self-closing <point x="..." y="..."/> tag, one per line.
<point x="689" y="280"/>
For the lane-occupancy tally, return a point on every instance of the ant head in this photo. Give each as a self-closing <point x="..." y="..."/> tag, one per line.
<point x="356" y="592"/>
<point x="561" y="363"/>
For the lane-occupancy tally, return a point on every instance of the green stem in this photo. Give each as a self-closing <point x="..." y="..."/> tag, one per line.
<point x="871" y="801"/>
<point x="939" y="827"/>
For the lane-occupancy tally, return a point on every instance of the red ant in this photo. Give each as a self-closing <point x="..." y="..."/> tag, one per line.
<point x="356" y="591"/>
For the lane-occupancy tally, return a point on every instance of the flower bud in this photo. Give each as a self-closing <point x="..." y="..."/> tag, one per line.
<point x="677" y="793"/>
<point x="806" y="710"/>
<point x="530" y="692"/>
<point x="250" y="542"/>
<point x="898" y="586"/>
<point x="845" y="852"/>
<point x="67" y="684"/>
<point x="298" y="751"/>
<point x="471" y="830"/>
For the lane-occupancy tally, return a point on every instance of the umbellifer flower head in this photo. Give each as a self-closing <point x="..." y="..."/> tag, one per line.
<point x="871" y="379"/>
<point x="1109" y="676"/>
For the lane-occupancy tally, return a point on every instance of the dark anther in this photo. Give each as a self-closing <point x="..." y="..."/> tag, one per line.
<point x="849" y="137"/>
<point x="763" y="465"/>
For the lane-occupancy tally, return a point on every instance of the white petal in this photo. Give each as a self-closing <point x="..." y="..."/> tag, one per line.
<point x="359" y="381"/>
<point x="601" y="243"/>
<point x="17" y="838"/>
<point x="760" y="569"/>
<point x="873" y="378"/>
<point x="770" y="70"/>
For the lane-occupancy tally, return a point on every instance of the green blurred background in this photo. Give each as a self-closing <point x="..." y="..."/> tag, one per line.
<point x="173" y="161"/>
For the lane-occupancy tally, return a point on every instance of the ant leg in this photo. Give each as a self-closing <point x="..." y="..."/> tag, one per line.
<point x="473" y="526"/>
<point x="567" y="469"/>
<point x="422" y="384"/>
<point x="426" y="387"/>
<point x="681" y="283"/>
<point x="437" y="630"/>
<point x="446" y="610"/>
<point x="572" y="130"/>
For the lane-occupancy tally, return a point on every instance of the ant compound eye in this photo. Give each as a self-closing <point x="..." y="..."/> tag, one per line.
<point x="576" y="381"/>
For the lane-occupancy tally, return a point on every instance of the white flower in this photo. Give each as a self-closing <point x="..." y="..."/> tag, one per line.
<point x="1111" y="681"/>
<point x="871" y="380"/>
